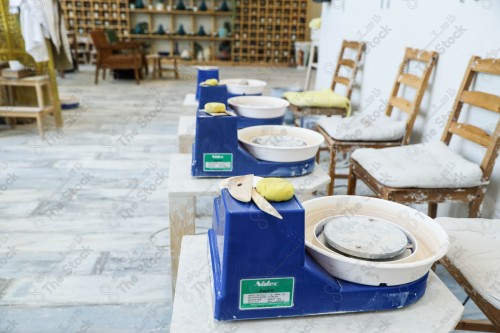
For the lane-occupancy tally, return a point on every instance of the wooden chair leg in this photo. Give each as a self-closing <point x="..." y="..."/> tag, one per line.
<point x="331" y="170"/>
<point x="12" y="122"/>
<point x="318" y="155"/>
<point x="432" y="210"/>
<point x="296" y="119"/>
<point x="145" y="64"/>
<point x="39" y="124"/>
<point x="476" y="325"/>
<point x="136" y="74"/>
<point x="176" y="70"/>
<point x="475" y="205"/>
<point x="351" y="181"/>
<point x="96" y="73"/>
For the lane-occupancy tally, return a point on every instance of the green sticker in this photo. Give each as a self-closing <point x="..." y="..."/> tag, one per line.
<point x="217" y="162"/>
<point x="266" y="293"/>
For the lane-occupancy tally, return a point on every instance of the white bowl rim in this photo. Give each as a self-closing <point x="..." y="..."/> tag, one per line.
<point x="316" y="134"/>
<point x="383" y="265"/>
<point x="284" y="104"/>
<point x="234" y="82"/>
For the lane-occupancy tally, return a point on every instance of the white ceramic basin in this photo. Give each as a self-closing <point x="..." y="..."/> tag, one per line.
<point x="260" y="107"/>
<point x="238" y="86"/>
<point x="280" y="143"/>
<point x="429" y="239"/>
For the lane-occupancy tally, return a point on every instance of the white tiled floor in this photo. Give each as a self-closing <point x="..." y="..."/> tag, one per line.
<point x="76" y="219"/>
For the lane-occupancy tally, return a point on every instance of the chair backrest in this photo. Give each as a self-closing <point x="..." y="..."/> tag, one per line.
<point x="101" y="44"/>
<point x="359" y="48"/>
<point x="99" y="38"/>
<point x="112" y="36"/>
<point x="426" y="60"/>
<point x="482" y="100"/>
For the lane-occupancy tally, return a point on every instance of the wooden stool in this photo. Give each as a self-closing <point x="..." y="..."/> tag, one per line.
<point x="158" y="69"/>
<point x="37" y="112"/>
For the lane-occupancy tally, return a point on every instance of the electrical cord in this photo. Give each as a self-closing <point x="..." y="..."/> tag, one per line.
<point x="153" y="235"/>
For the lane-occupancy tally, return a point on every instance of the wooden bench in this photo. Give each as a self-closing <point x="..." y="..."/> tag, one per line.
<point x="15" y="111"/>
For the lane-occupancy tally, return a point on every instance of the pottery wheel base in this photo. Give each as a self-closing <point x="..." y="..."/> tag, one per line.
<point x="365" y="237"/>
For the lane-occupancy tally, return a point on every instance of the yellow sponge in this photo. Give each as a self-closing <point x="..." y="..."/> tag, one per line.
<point x="215" y="107"/>
<point x="211" y="82"/>
<point x="275" y="189"/>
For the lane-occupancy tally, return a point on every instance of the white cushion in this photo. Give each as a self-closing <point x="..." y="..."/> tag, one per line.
<point x="474" y="245"/>
<point x="427" y="165"/>
<point x="363" y="127"/>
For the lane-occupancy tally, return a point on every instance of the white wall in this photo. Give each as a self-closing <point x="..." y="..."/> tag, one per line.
<point x="456" y="30"/>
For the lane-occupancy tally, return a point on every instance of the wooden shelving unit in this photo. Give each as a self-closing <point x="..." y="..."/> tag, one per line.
<point x="82" y="16"/>
<point x="265" y="30"/>
<point x="191" y="20"/>
<point x="262" y="31"/>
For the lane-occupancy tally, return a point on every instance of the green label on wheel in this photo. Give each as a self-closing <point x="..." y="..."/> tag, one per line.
<point x="266" y="293"/>
<point x="217" y="162"/>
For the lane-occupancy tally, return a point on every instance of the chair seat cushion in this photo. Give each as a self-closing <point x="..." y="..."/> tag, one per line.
<point x="474" y="245"/>
<point x="320" y="98"/>
<point x="427" y="165"/>
<point x="362" y="128"/>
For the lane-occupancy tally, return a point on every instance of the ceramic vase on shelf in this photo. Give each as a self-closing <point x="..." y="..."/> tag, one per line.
<point x="222" y="32"/>
<point x="198" y="51"/>
<point x="203" y="6"/>
<point x="201" y="31"/>
<point x="207" y="53"/>
<point x="139" y="4"/>
<point x="159" y="6"/>
<point x="181" y="31"/>
<point x="186" y="55"/>
<point x="176" y="49"/>
<point x="180" y="5"/>
<point x="160" y="30"/>
<point x="141" y="28"/>
<point x="223" y="7"/>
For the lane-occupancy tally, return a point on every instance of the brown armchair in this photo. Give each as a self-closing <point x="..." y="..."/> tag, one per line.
<point x="116" y="56"/>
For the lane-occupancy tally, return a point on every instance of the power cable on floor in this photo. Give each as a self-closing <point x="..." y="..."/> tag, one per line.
<point x="153" y="235"/>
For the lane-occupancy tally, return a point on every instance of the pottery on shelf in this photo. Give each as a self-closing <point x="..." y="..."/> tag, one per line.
<point x="207" y="53"/>
<point x="201" y="31"/>
<point x="176" y="49"/>
<point x="222" y="32"/>
<point x="160" y="30"/>
<point x="223" y="7"/>
<point x="180" y="5"/>
<point x="198" y="51"/>
<point x="141" y="28"/>
<point x="139" y="4"/>
<point x="181" y="31"/>
<point x="203" y="6"/>
<point x="186" y="55"/>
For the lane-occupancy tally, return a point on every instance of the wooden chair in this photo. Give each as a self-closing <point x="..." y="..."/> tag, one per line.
<point x="474" y="261"/>
<point x="343" y="135"/>
<point x="342" y="61"/>
<point x="442" y="175"/>
<point x="128" y="46"/>
<point x="110" y="56"/>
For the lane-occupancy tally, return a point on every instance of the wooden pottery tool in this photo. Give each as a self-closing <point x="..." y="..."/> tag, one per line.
<point x="242" y="188"/>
